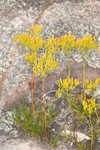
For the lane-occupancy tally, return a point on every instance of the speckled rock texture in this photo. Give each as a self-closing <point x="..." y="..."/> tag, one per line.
<point x="26" y="144"/>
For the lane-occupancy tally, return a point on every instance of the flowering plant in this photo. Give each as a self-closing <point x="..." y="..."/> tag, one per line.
<point x="66" y="85"/>
<point x="30" y="40"/>
<point x="45" y="61"/>
<point x="89" y="106"/>
<point x="90" y="85"/>
<point x="86" y="44"/>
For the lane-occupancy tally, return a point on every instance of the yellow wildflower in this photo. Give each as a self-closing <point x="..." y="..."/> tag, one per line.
<point x="30" y="42"/>
<point x="84" y="105"/>
<point x="66" y="43"/>
<point x="67" y="85"/>
<point x="87" y="43"/>
<point x="97" y="82"/>
<point x="89" y="106"/>
<point x="35" y="30"/>
<point x="76" y="81"/>
<point x="51" y="45"/>
<point x="91" y="85"/>
<point x="44" y="64"/>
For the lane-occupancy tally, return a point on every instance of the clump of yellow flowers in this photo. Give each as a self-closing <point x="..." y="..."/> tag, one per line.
<point x="66" y="85"/>
<point x="51" y="44"/>
<point x="30" y="40"/>
<point x="87" y="43"/>
<point x="66" y="43"/>
<point x="90" y="110"/>
<point x="89" y="106"/>
<point x="85" y="46"/>
<point x="90" y="85"/>
<point x="35" y="30"/>
<point x="42" y="64"/>
<point x="45" y="62"/>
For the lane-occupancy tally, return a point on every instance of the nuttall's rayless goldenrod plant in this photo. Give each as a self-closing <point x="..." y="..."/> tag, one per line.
<point x="83" y="107"/>
<point x="85" y="46"/>
<point x="31" y="41"/>
<point x="88" y="110"/>
<point x="51" y="45"/>
<point x="89" y="106"/>
<point x="41" y="64"/>
<point x="67" y="44"/>
<point x="66" y="87"/>
<point x="90" y="86"/>
<point x="35" y="30"/>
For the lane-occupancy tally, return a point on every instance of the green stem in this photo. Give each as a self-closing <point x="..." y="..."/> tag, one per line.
<point x="92" y="134"/>
<point x="69" y="70"/>
<point x="44" y="105"/>
<point x="34" y="85"/>
<point x="84" y="77"/>
<point x="73" y="119"/>
<point x="84" y="73"/>
<point x="73" y="128"/>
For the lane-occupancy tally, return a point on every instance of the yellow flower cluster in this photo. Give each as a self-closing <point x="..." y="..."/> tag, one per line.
<point x="43" y="64"/>
<point x="86" y="43"/>
<point x="66" y="43"/>
<point x="66" y="85"/>
<point x="35" y="30"/>
<point x="90" y="85"/>
<point x="89" y="106"/>
<point x="30" y="58"/>
<point x="30" y="40"/>
<point x="32" y="43"/>
<point x="51" y="44"/>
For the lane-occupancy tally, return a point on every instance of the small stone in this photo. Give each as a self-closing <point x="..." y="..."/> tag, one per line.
<point x="80" y="136"/>
<point x="97" y="92"/>
<point x="99" y="39"/>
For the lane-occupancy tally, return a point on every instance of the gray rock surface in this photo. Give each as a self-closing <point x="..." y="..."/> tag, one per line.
<point x="25" y="144"/>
